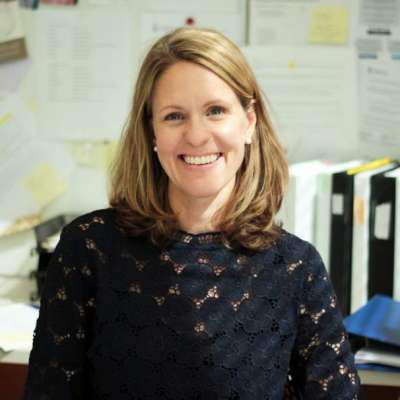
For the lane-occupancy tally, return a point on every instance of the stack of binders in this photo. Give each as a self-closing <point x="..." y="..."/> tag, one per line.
<point x="349" y="232"/>
<point x="384" y="235"/>
<point x="351" y="213"/>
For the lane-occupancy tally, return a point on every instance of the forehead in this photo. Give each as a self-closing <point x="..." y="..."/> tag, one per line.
<point x="187" y="81"/>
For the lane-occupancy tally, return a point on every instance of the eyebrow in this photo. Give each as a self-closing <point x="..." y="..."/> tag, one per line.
<point x="214" y="101"/>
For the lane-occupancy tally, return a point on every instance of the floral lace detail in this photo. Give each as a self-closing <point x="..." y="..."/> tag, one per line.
<point x="199" y="238"/>
<point x="120" y="319"/>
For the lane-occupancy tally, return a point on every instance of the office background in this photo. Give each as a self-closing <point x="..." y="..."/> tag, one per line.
<point x="330" y="71"/>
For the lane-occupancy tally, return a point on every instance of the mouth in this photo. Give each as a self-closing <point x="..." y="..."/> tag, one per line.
<point x="200" y="160"/>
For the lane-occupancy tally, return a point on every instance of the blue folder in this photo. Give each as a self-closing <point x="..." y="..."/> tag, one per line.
<point x="378" y="320"/>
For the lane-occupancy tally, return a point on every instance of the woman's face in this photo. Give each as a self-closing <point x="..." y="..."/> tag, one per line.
<point x="200" y="130"/>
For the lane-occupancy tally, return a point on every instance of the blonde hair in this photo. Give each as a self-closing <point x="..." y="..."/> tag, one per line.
<point x="139" y="184"/>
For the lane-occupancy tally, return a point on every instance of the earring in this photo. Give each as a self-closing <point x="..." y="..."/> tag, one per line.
<point x="155" y="149"/>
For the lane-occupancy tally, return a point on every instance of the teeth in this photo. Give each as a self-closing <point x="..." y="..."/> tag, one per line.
<point x="201" y="160"/>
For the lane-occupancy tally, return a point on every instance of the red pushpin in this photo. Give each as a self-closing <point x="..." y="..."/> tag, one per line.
<point x="189" y="21"/>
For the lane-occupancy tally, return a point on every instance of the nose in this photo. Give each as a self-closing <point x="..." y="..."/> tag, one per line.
<point x="197" y="132"/>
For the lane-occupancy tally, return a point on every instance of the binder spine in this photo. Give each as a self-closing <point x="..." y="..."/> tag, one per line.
<point x="341" y="238"/>
<point x="381" y="233"/>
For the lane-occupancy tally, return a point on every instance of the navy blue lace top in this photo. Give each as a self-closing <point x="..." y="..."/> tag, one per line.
<point x="122" y="319"/>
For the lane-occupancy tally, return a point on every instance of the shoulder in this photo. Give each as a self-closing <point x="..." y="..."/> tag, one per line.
<point x="99" y="220"/>
<point x="290" y="246"/>
<point x="100" y="225"/>
<point x="297" y="254"/>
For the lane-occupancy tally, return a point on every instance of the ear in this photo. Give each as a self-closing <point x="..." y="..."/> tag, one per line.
<point x="252" y="120"/>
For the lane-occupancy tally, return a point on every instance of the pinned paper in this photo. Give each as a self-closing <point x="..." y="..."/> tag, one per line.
<point x="5" y="118"/>
<point x="94" y="155"/>
<point x="45" y="184"/>
<point x="329" y="25"/>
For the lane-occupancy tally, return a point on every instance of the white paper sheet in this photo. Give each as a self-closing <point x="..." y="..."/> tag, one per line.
<point x="312" y="95"/>
<point x="283" y="22"/>
<point x="12" y="73"/>
<point x="160" y="17"/>
<point x="17" y="128"/>
<point x="379" y="108"/>
<point x="378" y="28"/>
<point x="18" y="322"/>
<point x="16" y="257"/>
<point x="85" y="69"/>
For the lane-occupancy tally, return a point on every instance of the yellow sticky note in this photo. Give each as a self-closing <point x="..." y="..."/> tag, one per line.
<point x="329" y="25"/>
<point x="94" y="155"/>
<point x="5" y="118"/>
<point x="110" y="152"/>
<point x="44" y="184"/>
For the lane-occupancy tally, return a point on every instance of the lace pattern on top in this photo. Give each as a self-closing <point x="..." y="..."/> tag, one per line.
<point x="120" y="319"/>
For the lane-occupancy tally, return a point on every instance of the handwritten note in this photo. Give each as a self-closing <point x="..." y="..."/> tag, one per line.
<point x="328" y="25"/>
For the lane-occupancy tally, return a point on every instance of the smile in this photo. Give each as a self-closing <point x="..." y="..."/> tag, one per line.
<point x="200" y="160"/>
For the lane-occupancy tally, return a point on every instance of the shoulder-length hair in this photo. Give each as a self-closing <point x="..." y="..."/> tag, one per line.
<point x="138" y="182"/>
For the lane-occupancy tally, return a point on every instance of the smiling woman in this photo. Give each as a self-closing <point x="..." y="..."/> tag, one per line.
<point x="195" y="97"/>
<point x="186" y="288"/>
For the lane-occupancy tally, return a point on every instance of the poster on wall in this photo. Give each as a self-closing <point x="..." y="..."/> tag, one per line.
<point x="84" y="67"/>
<point x="378" y="29"/>
<point x="379" y="108"/>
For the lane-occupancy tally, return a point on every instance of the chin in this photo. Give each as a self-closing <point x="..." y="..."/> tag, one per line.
<point x="206" y="191"/>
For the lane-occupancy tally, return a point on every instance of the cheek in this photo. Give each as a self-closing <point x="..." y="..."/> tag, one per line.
<point x="166" y="142"/>
<point x="231" y="134"/>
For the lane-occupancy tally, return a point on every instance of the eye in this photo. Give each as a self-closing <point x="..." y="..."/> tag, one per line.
<point x="174" y="116"/>
<point x="216" y="110"/>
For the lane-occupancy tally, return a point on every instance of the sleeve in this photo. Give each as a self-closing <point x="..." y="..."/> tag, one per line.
<point x="322" y="364"/>
<point x="57" y="360"/>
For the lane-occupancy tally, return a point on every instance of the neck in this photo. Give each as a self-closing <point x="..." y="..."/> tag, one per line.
<point x="197" y="215"/>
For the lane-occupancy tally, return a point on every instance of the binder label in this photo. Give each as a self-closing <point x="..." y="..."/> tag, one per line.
<point x="359" y="211"/>
<point x="382" y="221"/>
<point x="337" y="204"/>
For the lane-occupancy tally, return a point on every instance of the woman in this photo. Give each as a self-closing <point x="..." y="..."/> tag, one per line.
<point x="185" y="288"/>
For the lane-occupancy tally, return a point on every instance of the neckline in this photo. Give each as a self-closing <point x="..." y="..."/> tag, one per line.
<point x="198" y="238"/>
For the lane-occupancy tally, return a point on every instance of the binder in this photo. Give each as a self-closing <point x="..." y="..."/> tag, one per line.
<point x="340" y="258"/>
<point x="384" y="233"/>
<point x="360" y="245"/>
<point x="322" y="233"/>
<point x="298" y="209"/>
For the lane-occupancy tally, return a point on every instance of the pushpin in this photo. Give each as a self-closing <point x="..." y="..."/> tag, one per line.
<point x="189" y="21"/>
